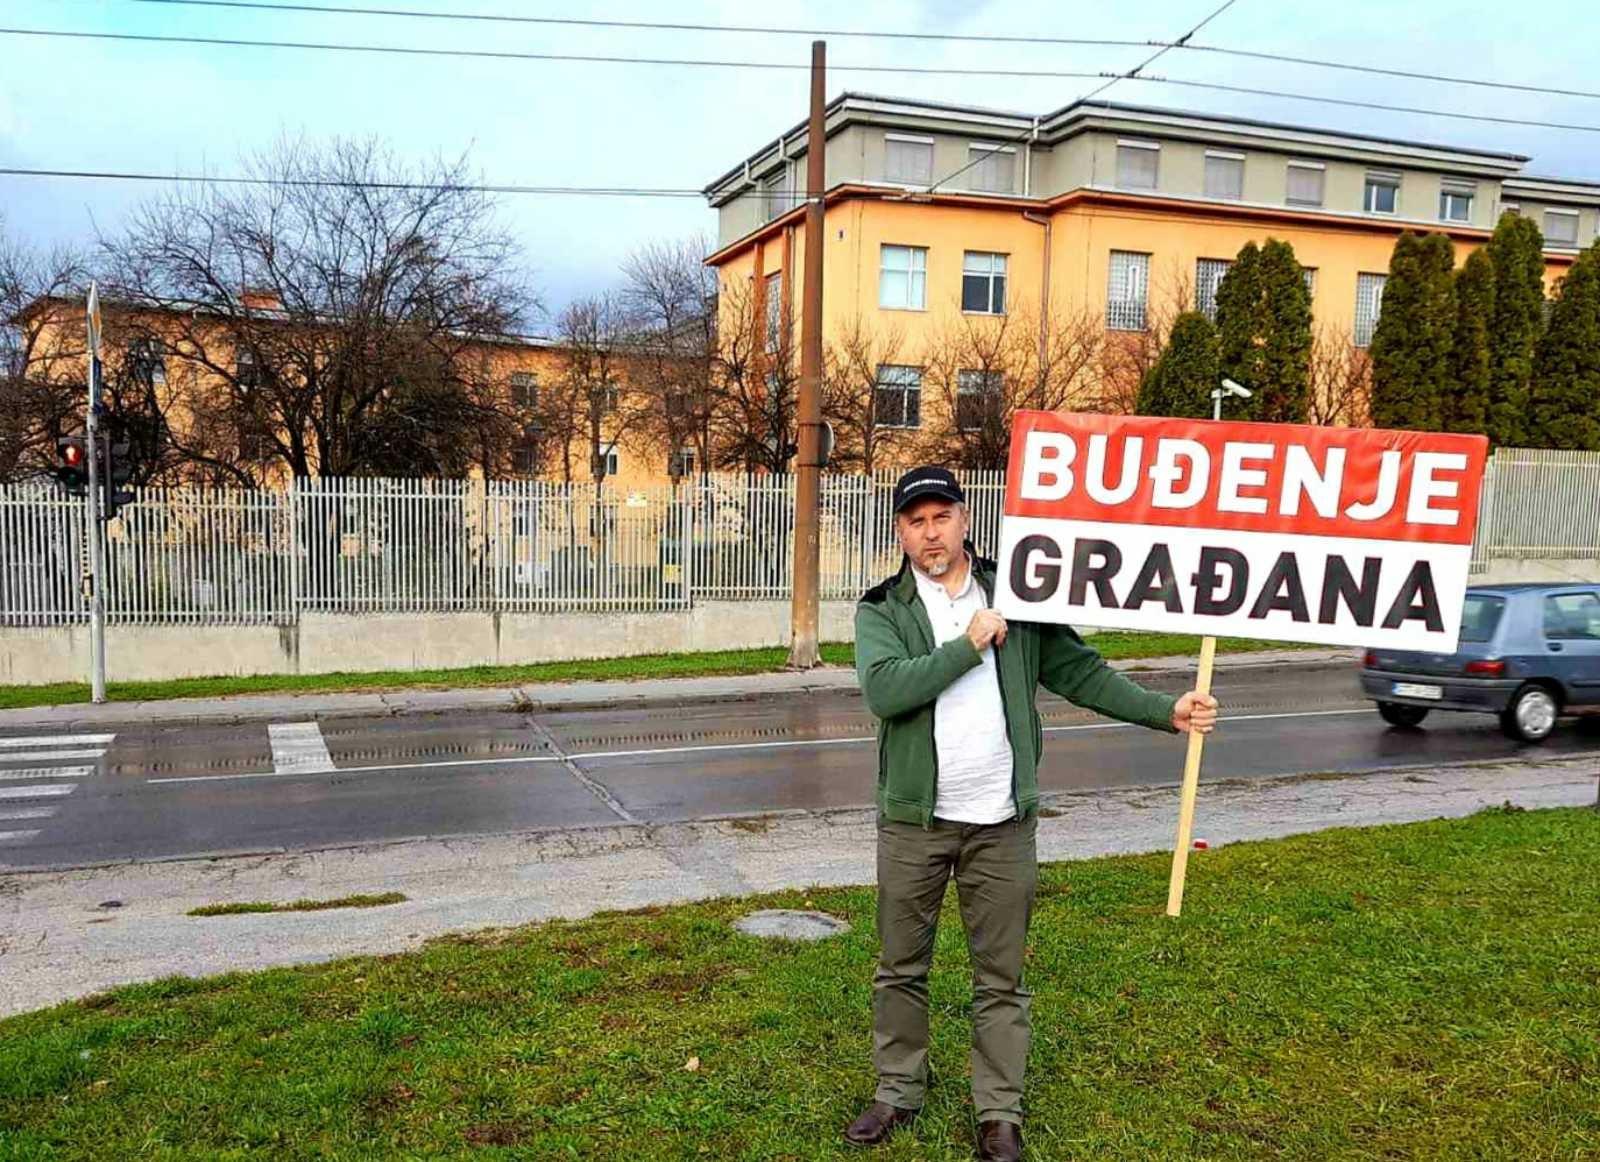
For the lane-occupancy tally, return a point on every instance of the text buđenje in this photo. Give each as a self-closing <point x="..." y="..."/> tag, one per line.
<point x="1333" y="535"/>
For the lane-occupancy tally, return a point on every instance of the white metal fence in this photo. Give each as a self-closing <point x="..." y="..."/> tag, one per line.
<point x="403" y="546"/>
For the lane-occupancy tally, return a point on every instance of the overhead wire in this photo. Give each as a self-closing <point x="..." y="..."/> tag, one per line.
<point x="1128" y="75"/>
<point x="887" y="34"/>
<point x="1107" y="76"/>
<point x="333" y="183"/>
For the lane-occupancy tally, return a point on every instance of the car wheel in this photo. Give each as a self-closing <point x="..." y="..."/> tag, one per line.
<point x="1531" y="716"/>
<point x="1399" y="714"/>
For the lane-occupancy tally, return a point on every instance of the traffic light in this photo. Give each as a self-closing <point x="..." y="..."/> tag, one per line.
<point x="115" y="471"/>
<point x="72" y="465"/>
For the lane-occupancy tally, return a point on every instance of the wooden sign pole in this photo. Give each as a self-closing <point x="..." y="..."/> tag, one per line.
<point x="1191" y="785"/>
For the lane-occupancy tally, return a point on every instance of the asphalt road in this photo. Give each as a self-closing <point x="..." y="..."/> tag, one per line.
<point x="70" y="799"/>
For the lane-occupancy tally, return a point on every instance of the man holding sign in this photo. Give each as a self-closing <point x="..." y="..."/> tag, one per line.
<point x="953" y="682"/>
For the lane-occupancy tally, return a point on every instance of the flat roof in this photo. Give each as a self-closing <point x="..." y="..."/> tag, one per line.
<point x="1113" y="108"/>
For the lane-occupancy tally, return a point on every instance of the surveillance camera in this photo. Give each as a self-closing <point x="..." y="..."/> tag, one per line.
<point x="1237" y="389"/>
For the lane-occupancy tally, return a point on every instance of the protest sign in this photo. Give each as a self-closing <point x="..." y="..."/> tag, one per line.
<point x="1339" y="536"/>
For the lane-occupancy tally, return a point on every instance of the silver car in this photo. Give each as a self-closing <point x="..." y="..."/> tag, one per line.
<point x="1528" y="653"/>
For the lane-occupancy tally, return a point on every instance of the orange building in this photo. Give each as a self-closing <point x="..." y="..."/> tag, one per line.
<point x="1099" y="216"/>
<point x="200" y="374"/>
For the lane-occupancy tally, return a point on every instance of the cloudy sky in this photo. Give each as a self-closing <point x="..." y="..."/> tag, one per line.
<point x="105" y="105"/>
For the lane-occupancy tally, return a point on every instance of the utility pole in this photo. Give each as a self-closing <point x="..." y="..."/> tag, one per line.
<point x="803" y="653"/>
<point x="97" y="563"/>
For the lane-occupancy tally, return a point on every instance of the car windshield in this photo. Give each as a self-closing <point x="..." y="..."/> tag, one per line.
<point x="1479" y="617"/>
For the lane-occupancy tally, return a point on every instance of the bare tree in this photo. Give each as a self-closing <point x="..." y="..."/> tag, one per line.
<point x="868" y="395"/>
<point x="42" y="353"/>
<point x="1341" y="380"/>
<point x="596" y="353"/>
<point x="984" y="369"/>
<point x="670" y="295"/>
<point x="326" y="321"/>
<point x="1128" y="356"/>
<point x="753" y="421"/>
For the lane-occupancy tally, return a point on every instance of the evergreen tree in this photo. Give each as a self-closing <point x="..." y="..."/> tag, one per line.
<point x="1564" y="396"/>
<point x="1411" y="344"/>
<point x="1264" y="332"/>
<point x="1465" y="405"/>
<point x="1517" y="252"/>
<point x="1182" y="379"/>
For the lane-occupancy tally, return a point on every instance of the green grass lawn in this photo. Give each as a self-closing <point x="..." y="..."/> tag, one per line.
<point x="1423" y="991"/>
<point x="1113" y="644"/>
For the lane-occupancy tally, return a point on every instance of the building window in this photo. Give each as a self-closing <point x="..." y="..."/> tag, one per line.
<point x="773" y="293"/>
<point x="1224" y="175"/>
<point x="983" y="283"/>
<point x="1369" y="304"/>
<point x="903" y="278"/>
<point x="144" y="364"/>
<point x="1382" y="194"/>
<point x="994" y="168"/>
<point x="908" y="160"/>
<point x="1455" y="201"/>
<point x="978" y="395"/>
<point x="524" y="390"/>
<point x="775" y="193"/>
<point x="1128" y="288"/>
<point x="525" y="458"/>
<point x="1138" y="163"/>
<point x="1309" y="273"/>
<point x="1305" y="183"/>
<point x="606" y="462"/>
<point x="1561" y="227"/>
<point x="1208" y="274"/>
<point x="677" y="405"/>
<point x="681" y="463"/>
<point x="897" y="397"/>
<point x="246" y="369"/>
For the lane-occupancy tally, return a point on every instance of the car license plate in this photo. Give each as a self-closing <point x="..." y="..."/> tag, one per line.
<point x="1419" y="690"/>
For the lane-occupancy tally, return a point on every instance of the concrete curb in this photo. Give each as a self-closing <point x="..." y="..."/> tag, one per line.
<point x="548" y="697"/>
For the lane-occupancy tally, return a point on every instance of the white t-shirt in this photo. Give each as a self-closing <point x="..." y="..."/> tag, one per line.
<point x="969" y="718"/>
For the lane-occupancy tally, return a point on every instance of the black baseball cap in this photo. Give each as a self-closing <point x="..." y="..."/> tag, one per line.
<point x="925" y="482"/>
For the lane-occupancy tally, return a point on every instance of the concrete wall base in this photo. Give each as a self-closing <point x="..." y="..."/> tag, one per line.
<point x="328" y="643"/>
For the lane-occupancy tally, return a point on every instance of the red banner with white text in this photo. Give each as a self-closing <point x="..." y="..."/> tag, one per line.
<point x="1343" y="536"/>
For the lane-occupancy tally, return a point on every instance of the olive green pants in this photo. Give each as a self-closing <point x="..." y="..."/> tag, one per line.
<point x="995" y="868"/>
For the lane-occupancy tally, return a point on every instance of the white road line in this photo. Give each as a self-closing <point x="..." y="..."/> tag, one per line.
<point x="27" y="813"/>
<point x="16" y="836"/>
<point x="45" y="773"/>
<point x="58" y="740"/>
<point x="47" y="756"/>
<point x="298" y="748"/>
<point x="53" y="791"/>
<point x="708" y="747"/>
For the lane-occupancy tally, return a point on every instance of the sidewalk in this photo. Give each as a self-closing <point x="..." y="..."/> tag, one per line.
<point x="532" y="698"/>
<point x="59" y="940"/>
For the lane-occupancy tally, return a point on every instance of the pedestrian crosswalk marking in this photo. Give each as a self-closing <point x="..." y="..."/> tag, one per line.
<point x="100" y="740"/>
<point x="14" y="773"/>
<point x="17" y="836"/>
<point x="298" y="748"/>
<point x="26" y="813"/>
<point x="49" y="792"/>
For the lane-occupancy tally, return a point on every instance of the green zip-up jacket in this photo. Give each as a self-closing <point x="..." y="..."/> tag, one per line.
<point x="902" y="673"/>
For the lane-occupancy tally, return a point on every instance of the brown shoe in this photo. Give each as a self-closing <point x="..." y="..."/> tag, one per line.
<point x="999" y="1142"/>
<point x="877" y="1123"/>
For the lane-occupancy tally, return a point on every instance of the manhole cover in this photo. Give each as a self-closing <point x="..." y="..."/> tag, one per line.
<point x="782" y="924"/>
